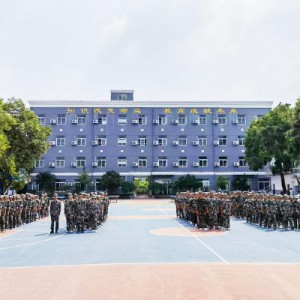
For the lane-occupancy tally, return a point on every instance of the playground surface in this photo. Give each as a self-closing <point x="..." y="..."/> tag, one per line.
<point x="143" y="251"/>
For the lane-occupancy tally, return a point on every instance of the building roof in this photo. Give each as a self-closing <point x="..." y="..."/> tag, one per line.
<point x="150" y="103"/>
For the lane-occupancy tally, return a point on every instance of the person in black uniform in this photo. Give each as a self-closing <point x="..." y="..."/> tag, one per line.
<point x="54" y="213"/>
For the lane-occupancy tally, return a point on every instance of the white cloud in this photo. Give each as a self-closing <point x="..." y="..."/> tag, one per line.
<point x="171" y="49"/>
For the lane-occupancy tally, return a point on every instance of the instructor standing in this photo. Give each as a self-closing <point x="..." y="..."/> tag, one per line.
<point x="55" y="212"/>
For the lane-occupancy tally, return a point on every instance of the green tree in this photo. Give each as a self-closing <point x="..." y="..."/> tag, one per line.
<point x="141" y="186"/>
<point x="46" y="182"/>
<point x="240" y="183"/>
<point x="296" y="130"/>
<point x="25" y="140"/>
<point x="188" y="183"/>
<point x="127" y="187"/>
<point x="84" y="181"/>
<point x="222" y="183"/>
<point x="270" y="140"/>
<point x="111" y="181"/>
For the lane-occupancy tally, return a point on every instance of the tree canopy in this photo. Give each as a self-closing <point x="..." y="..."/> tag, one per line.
<point x="269" y="140"/>
<point x="22" y="140"/>
<point x="111" y="180"/>
<point x="188" y="183"/>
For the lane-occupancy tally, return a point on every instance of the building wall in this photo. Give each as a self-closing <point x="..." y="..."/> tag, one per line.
<point x="136" y="128"/>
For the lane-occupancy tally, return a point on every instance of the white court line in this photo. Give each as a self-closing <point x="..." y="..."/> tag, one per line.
<point x="33" y="243"/>
<point x="152" y="263"/>
<point x="198" y="239"/>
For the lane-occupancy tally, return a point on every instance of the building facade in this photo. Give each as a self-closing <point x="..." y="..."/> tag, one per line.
<point x="138" y="139"/>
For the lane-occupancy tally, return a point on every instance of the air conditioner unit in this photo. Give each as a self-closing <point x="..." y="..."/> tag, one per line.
<point x="51" y="165"/>
<point x="195" y="164"/>
<point x="155" y="122"/>
<point x="74" y="121"/>
<point x="135" y="122"/>
<point x="175" y="164"/>
<point x="73" y="164"/>
<point x="216" y="143"/>
<point x="175" y="122"/>
<point x="52" y="143"/>
<point x="94" y="164"/>
<point x="195" y="122"/>
<point x="53" y="121"/>
<point x="155" y="164"/>
<point x="216" y="164"/>
<point x="196" y="143"/>
<point x="236" y="164"/>
<point x="135" y="164"/>
<point x="215" y="122"/>
<point x="234" y="122"/>
<point x="95" y="121"/>
<point x="94" y="143"/>
<point x="155" y="143"/>
<point x="235" y="143"/>
<point x="74" y="143"/>
<point x="175" y="143"/>
<point x="135" y="143"/>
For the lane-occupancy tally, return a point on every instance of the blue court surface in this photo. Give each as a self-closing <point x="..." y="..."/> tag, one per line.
<point x="128" y="236"/>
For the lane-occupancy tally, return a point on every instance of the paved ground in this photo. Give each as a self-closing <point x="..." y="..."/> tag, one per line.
<point x="143" y="252"/>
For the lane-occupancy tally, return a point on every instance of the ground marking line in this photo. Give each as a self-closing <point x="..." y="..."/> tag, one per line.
<point x="33" y="243"/>
<point x="296" y="264"/>
<point x="198" y="239"/>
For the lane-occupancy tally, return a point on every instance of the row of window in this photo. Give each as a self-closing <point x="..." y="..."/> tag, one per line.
<point x="100" y="162"/>
<point x="142" y="120"/>
<point x="222" y="140"/>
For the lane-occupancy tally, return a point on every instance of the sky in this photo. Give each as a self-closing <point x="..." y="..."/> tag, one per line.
<point x="162" y="49"/>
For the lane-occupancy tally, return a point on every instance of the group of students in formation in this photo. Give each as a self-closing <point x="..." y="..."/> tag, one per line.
<point x="83" y="211"/>
<point x="213" y="210"/>
<point x="21" y="209"/>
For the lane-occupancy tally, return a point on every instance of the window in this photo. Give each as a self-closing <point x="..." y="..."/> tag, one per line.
<point x="222" y="119"/>
<point x="241" y="140"/>
<point x="142" y="161"/>
<point x="142" y="141"/>
<point x="81" y="119"/>
<point x="162" y="141"/>
<point x="60" y="140"/>
<point x="122" y="97"/>
<point x="39" y="163"/>
<point x="162" y="120"/>
<point x="41" y="119"/>
<point x="142" y="119"/>
<point x="162" y="162"/>
<point x="61" y="120"/>
<point x="81" y="140"/>
<point x="222" y="140"/>
<point x="202" y="161"/>
<point x="80" y="162"/>
<point x="202" y="140"/>
<point x="122" y="162"/>
<point x="182" y="141"/>
<point x="122" y="120"/>
<point x="223" y="161"/>
<point x="60" y="162"/>
<point x="102" y="119"/>
<point x="181" y="120"/>
<point x="101" y="140"/>
<point x="202" y="120"/>
<point x="241" y="120"/>
<point x="264" y="184"/>
<point x="59" y="184"/>
<point x="122" y="141"/>
<point x="183" y="162"/>
<point x="101" y="162"/>
<point x="242" y="161"/>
